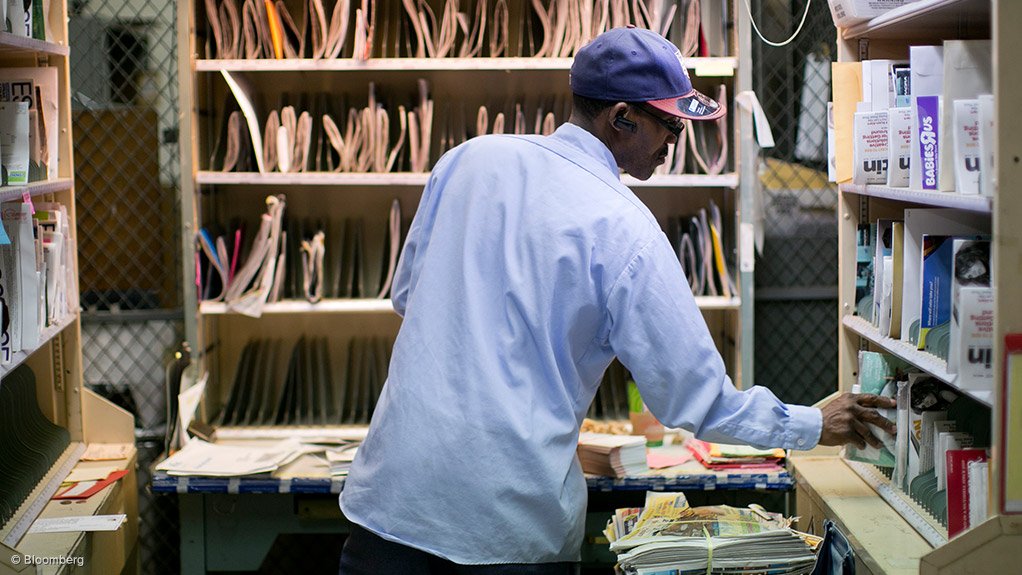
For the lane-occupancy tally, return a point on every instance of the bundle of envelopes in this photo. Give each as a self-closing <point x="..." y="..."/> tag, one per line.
<point x="700" y="244"/>
<point x="29" y="443"/>
<point x="321" y="133"/>
<point x="612" y="455"/>
<point x="37" y="274"/>
<point x="267" y="29"/>
<point x="30" y="107"/>
<point x="311" y="385"/>
<point x="214" y="460"/>
<point x="304" y="259"/>
<point x="669" y="536"/>
<point x="724" y="456"/>
<point x="366" y="29"/>
<point x="246" y="285"/>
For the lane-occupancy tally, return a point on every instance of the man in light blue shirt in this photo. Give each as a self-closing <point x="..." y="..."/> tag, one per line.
<point x="528" y="268"/>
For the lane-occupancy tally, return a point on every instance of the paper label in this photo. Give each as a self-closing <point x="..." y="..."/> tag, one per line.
<point x="715" y="68"/>
<point x="748" y="243"/>
<point x="82" y="523"/>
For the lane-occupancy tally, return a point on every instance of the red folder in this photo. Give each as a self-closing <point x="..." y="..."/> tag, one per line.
<point x="86" y="489"/>
<point x="958" y="487"/>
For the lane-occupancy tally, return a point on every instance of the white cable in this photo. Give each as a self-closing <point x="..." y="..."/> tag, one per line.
<point x="792" y="37"/>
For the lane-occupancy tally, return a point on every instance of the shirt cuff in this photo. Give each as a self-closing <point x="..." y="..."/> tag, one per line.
<point x="804" y="427"/>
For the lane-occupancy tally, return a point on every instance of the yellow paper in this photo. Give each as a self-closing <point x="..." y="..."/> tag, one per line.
<point x="89" y="473"/>
<point x="847" y="92"/>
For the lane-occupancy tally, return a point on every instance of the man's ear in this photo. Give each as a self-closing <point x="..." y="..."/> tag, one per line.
<point x="618" y="119"/>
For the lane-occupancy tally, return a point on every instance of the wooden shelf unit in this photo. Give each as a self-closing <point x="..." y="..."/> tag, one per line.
<point x="57" y="367"/>
<point x="701" y="67"/>
<point x="465" y="82"/>
<point x="352" y="306"/>
<point x="888" y="532"/>
<point x="418" y="180"/>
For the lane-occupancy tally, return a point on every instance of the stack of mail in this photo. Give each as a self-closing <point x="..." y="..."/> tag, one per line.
<point x="209" y="459"/>
<point x="723" y="456"/>
<point x="613" y="455"/>
<point x="670" y="537"/>
<point x="340" y="459"/>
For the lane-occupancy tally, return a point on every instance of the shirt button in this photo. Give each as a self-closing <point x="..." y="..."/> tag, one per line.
<point x="801" y="442"/>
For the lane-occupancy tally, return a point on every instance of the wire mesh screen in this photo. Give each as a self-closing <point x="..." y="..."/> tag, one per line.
<point x="125" y="110"/>
<point x="796" y="278"/>
<point x="124" y="94"/>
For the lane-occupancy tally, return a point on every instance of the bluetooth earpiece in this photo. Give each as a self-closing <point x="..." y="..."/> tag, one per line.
<point x="625" y="124"/>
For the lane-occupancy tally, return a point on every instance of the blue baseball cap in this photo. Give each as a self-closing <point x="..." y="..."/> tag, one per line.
<point x="636" y="65"/>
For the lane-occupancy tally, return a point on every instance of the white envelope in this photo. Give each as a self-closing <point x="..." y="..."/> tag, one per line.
<point x="241" y="89"/>
<point x="927" y="70"/>
<point x="877" y="85"/>
<point x="929" y="221"/>
<point x="968" y="72"/>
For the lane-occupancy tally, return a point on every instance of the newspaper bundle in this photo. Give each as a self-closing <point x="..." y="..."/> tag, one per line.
<point x="669" y="537"/>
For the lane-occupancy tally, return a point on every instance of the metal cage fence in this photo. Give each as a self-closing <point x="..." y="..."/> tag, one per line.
<point x="796" y="277"/>
<point x="125" y="120"/>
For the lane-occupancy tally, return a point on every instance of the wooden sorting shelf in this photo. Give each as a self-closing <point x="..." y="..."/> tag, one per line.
<point x="927" y="362"/>
<point x="982" y="204"/>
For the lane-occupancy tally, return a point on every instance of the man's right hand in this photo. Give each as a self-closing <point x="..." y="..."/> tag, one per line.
<point x="845" y="420"/>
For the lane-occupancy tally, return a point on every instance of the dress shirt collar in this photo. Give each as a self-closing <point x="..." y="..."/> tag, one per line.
<point x="588" y="144"/>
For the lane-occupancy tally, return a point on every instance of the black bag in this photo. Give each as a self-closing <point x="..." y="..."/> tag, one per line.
<point x="835" y="556"/>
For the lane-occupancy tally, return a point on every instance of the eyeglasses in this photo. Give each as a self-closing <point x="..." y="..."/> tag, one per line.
<point x="674" y="125"/>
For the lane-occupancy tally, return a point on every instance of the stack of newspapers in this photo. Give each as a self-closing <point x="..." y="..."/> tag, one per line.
<point x="668" y="537"/>
<point x="612" y="455"/>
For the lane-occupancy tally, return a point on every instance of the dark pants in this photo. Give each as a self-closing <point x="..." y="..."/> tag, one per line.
<point x="366" y="553"/>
